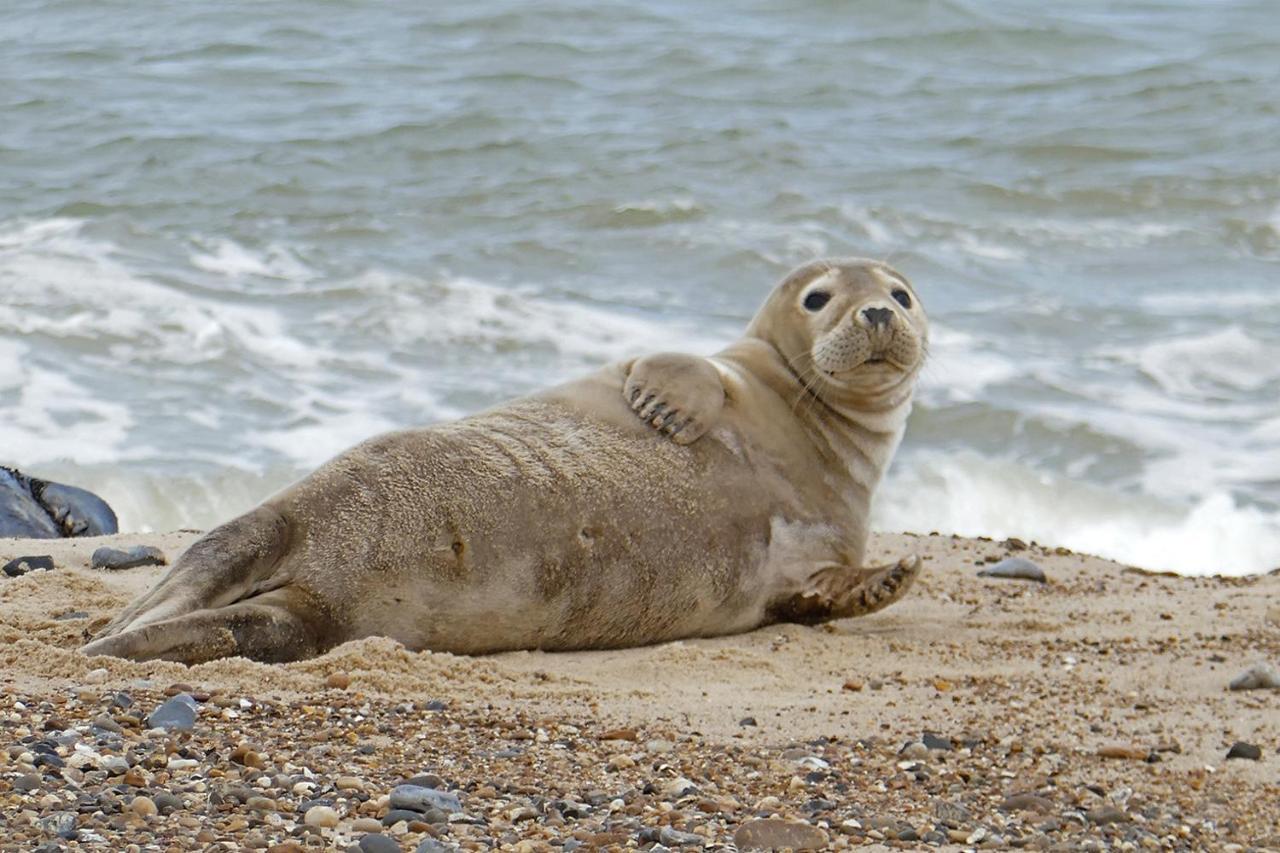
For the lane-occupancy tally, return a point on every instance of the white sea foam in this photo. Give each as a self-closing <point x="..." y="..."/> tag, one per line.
<point x="970" y="495"/>
<point x="961" y="366"/>
<point x="1225" y="360"/>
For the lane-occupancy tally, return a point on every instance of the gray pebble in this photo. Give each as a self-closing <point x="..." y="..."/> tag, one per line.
<point x="419" y="799"/>
<point x="27" y="783"/>
<point x="177" y="713"/>
<point x="115" y="765"/>
<point x="1017" y="568"/>
<point x="674" y="838"/>
<point x="433" y="846"/>
<point x="113" y="559"/>
<point x="1106" y="814"/>
<point x="1260" y="676"/>
<point x="1240" y="749"/>
<point x="376" y="842"/>
<point x="167" y="802"/>
<point x="106" y="724"/>
<point x="932" y="741"/>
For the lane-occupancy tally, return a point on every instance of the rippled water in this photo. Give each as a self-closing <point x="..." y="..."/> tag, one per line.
<point x="237" y="237"/>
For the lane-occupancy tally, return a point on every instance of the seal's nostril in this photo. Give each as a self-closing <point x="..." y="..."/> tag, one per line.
<point x="877" y="316"/>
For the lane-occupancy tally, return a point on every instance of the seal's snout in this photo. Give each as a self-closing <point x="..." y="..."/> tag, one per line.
<point x="877" y="318"/>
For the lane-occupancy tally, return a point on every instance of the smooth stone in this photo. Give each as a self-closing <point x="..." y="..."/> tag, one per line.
<point x="31" y="508"/>
<point x="775" y="834"/>
<point x="426" y="780"/>
<point x="115" y="765"/>
<point x="1240" y="749"/>
<point x="376" y="842"/>
<point x="18" y="567"/>
<point x="177" y="713"/>
<point x="71" y="616"/>
<point x="321" y="816"/>
<point x="167" y="802"/>
<point x="143" y="806"/>
<point x="27" y="783"/>
<point x="952" y="813"/>
<point x="1027" y="803"/>
<point x="1015" y="568"/>
<point x="1260" y="676"/>
<point x="113" y="559"/>
<point x="419" y="799"/>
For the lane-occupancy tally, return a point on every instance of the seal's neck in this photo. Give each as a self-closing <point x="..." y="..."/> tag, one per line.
<point x="864" y="435"/>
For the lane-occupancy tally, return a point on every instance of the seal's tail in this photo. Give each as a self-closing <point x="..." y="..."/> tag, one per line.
<point x="230" y="563"/>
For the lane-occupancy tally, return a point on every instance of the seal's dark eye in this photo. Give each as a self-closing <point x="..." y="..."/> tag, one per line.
<point x="816" y="300"/>
<point x="904" y="298"/>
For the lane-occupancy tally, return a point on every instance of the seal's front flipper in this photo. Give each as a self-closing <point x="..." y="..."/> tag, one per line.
<point x="838" y="592"/>
<point x="273" y="628"/>
<point x="679" y="395"/>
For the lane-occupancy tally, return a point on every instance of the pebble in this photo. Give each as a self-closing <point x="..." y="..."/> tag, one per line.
<point x="348" y="783"/>
<point x="61" y="824"/>
<point x="678" y="787"/>
<point x="914" y="750"/>
<point x="366" y="824"/>
<point x="338" y="680"/>
<point x="776" y="834"/>
<point x="143" y="806"/>
<point x="1260" y="676"/>
<point x="1105" y="815"/>
<point x="26" y="783"/>
<point x="432" y="846"/>
<point x="20" y="566"/>
<point x="379" y="843"/>
<point x="1240" y="749"/>
<point x="321" y="816"/>
<point x="932" y="741"/>
<point x="1015" y="568"/>
<point x="177" y="713"/>
<point x="1130" y="751"/>
<point x="420" y="799"/>
<point x="167" y="802"/>
<point x="1027" y="803"/>
<point x="113" y="559"/>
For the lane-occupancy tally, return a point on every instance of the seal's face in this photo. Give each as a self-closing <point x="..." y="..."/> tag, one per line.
<point x="850" y="329"/>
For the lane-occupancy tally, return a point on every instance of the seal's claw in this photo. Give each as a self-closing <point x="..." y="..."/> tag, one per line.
<point x="838" y="592"/>
<point x="674" y="392"/>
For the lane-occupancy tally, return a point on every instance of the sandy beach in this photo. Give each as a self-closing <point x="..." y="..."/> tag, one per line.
<point x="1091" y="711"/>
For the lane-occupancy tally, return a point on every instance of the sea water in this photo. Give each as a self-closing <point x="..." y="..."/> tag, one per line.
<point x="237" y="237"/>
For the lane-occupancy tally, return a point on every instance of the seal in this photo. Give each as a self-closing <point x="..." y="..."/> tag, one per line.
<point x="665" y="497"/>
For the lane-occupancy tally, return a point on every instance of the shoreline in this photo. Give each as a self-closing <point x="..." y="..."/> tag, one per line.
<point x="1100" y="698"/>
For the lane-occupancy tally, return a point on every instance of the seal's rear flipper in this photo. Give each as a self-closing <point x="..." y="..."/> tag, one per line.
<point x="839" y="592"/>
<point x="228" y="564"/>
<point x="273" y="628"/>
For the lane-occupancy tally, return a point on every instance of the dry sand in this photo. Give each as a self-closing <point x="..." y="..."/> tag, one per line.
<point x="1034" y="685"/>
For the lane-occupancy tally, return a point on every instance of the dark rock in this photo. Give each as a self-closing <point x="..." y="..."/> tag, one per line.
<point x="932" y="741"/>
<point x="776" y="834"/>
<point x="177" y="713"/>
<point x="376" y="842"/>
<point x="167" y="802"/>
<point x="1017" y="568"/>
<point x="31" y="508"/>
<point x="1240" y="749"/>
<point x="668" y="837"/>
<point x="396" y="815"/>
<point x="419" y="799"/>
<point x="61" y="824"/>
<point x="953" y="814"/>
<point x="113" y="559"/>
<point x="434" y="705"/>
<point x="1260" y="676"/>
<point x="18" y="567"/>
<point x="748" y="721"/>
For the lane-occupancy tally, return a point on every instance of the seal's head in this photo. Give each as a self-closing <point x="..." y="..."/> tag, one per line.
<point x="851" y="329"/>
